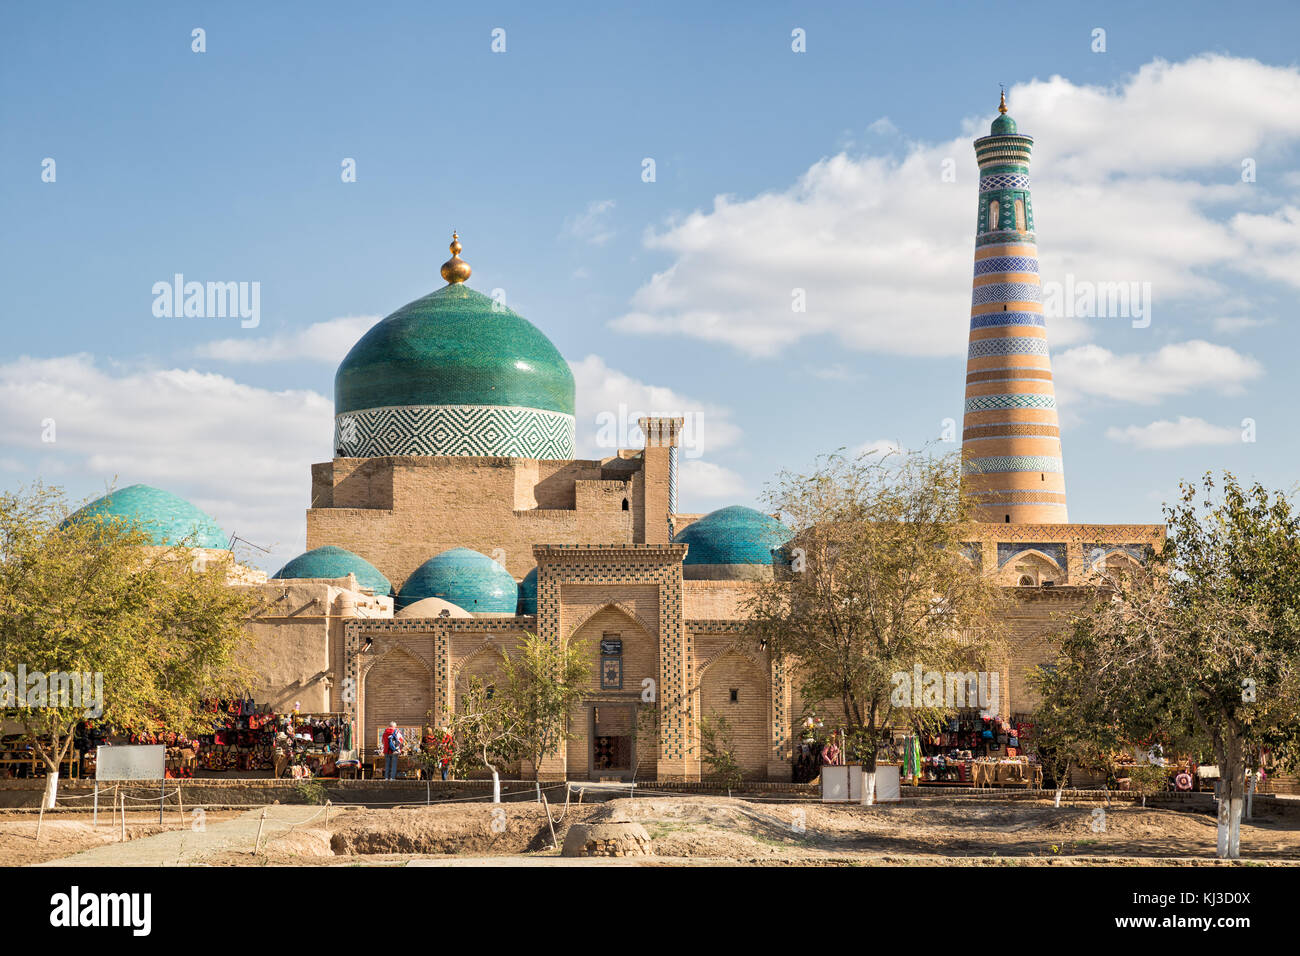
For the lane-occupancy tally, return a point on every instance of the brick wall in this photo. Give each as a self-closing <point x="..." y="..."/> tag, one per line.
<point x="747" y="716"/>
<point x="399" y="512"/>
<point x="397" y="687"/>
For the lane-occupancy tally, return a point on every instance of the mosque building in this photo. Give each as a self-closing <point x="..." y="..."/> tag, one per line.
<point x="454" y="518"/>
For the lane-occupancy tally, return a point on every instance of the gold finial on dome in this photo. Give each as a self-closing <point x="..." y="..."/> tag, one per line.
<point x="455" y="269"/>
<point x="1002" y="107"/>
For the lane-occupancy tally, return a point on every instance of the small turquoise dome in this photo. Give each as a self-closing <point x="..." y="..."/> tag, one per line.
<point x="1004" y="125"/>
<point x="734" y="542"/>
<point x="466" y="578"/>
<point x="528" y="593"/>
<point x="333" y="562"/>
<point x="167" y="518"/>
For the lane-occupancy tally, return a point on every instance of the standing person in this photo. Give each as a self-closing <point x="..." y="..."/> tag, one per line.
<point x="393" y="744"/>
<point x="283" y="753"/>
<point x="446" y="749"/>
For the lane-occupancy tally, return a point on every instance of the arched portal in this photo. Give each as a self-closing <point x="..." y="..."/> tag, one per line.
<point x="397" y="687"/>
<point x="614" y="727"/>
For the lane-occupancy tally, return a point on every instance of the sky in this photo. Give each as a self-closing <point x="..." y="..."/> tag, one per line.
<point x="1167" y="154"/>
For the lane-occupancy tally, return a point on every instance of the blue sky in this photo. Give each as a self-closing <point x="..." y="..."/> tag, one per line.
<point x="225" y="166"/>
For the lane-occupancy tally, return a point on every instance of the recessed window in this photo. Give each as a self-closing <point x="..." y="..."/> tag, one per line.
<point x="735" y="695"/>
<point x="1008" y="519"/>
<point x="625" y="507"/>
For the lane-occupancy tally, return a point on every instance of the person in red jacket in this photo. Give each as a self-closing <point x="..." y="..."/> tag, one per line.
<point x="393" y="742"/>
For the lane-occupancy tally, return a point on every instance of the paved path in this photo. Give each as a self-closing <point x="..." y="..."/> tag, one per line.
<point x="187" y="847"/>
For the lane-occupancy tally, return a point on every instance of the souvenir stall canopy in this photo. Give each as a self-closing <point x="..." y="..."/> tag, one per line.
<point x="245" y="738"/>
<point x="971" y="749"/>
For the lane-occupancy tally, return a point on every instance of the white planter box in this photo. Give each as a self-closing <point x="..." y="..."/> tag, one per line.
<point x="841" y="784"/>
<point x="887" y="783"/>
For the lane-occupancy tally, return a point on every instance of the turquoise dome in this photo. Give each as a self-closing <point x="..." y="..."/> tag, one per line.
<point x="333" y="562"/>
<point x="466" y="578"/>
<point x="528" y="593"/>
<point x="1004" y="125"/>
<point x="167" y="518"/>
<point x="454" y="373"/>
<point x="734" y="542"/>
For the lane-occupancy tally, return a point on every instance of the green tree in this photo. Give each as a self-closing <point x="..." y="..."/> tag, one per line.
<point x="484" y="733"/>
<point x="95" y="599"/>
<point x="880" y="581"/>
<point x="541" y="682"/>
<point x="1148" y="779"/>
<point x="1070" y="729"/>
<point x="1203" y="650"/>
<point x="720" y="750"/>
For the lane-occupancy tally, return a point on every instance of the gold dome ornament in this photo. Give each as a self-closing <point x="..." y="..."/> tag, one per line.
<point x="1002" y="107"/>
<point x="455" y="269"/>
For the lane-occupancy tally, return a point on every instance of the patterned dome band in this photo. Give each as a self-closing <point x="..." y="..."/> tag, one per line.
<point x="489" y="431"/>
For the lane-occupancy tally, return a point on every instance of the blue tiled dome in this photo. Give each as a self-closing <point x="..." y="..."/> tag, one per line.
<point x="466" y="578"/>
<point x="167" y="518"/>
<point x="734" y="542"/>
<point x="528" y="593"/>
<point x="334" y="562"/>
<point x="1004" y="125"/>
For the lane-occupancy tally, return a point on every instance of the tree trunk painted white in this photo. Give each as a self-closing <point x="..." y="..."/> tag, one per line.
<point x="1234" y="828"/>
<point x="538" y="785"/>
<point x="496" y="786"/>
<point x="1057" y="802"/>
<point x="1250" y="794"/>
<point x="51" y="787"/>
<point x="1231" y="790"/>
<point x="869" y="788"/>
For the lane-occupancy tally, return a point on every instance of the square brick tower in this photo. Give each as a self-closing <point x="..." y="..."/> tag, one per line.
<point x="1011" y="439"/>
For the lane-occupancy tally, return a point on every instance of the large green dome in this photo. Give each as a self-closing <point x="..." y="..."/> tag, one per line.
<point x="454" y="373"/>
<point x="166" y="518"/>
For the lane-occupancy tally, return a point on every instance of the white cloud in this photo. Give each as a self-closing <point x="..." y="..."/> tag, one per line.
<point x="705" y="481"/>
<point x="609" y="402"/>
<point x="835" y="372"/>
<point x="1147" y="378"/>
<point x="240" y="453"/>
<point x="1272" y="243"/>
<point x="882" y="246"/>
<point x="881" y="448"/>
<point x="592" y="225"/>
<point x="327" y="341"/>
<point x="1182" y="433"/>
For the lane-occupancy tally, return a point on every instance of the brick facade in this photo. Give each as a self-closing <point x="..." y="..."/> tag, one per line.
<point x="598" y="534"/>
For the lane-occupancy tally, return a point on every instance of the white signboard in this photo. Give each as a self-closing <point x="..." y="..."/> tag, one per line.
<point x="842" y="784"/>
<point x="131" y="762"/>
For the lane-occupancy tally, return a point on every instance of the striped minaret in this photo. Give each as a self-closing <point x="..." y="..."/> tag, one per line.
<point x="1010" y="438"/>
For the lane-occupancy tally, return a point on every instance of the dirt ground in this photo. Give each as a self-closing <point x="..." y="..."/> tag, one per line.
<point x="726" y="830"/>
<point x="719" y="830"/>
<point x="62" y="834"/>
